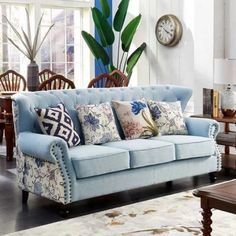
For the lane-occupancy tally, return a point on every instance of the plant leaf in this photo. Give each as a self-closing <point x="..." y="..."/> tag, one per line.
<point x="20" y="49"/>
<point x="28" y="27"/>
<point x="134" y="57"/>
<point x="105" y="8"/>
<point x="44" y="37"/>
<point x="120" y="15"/>
<point x="36" y="38"/>
<point x="27" y="42"/>
<point x="105" y="31"/>
<point x="128" y="33"/>
<point x="97" y="50"/>
<point x="17" y="33"/>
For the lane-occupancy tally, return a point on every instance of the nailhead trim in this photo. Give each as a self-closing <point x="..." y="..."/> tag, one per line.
<point x="64" y="173"/>
<point x="213" y="130"/>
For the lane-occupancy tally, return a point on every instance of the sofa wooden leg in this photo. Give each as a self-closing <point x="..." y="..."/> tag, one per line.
<point x="212" y="177"/>
<point x="64" y="211"/>
<point x="25" y="196"/>
<point x="195" y="181"/>
<point x="169" y="184"/>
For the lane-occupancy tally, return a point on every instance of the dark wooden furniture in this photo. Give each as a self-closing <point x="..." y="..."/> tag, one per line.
<point x="56" y="82"/>
<point x="120" y="77"/>
<point x="6" y="104"/>
<point x="220" y="196"/>
<point x="226" y="138"/>
<point x="45" y="74"/>
<point x="10" y="81"/>
<point x="103" y="81"/>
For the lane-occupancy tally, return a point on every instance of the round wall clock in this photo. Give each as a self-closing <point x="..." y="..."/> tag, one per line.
<point x="169" y="30"/>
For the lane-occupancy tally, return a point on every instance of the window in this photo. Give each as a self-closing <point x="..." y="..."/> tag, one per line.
<point x="10" y="57"/>
<point x="63" y="51"/>
<point x="61" y="47"/>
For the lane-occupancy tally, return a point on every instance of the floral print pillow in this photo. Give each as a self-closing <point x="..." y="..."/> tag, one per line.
<point x="135" y="119"/>
<point x="98" y="123"/>
<point x="168" y="117"/>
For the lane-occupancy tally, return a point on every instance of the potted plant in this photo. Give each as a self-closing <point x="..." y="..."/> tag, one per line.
<point x="102" y="48"/>
<point x="30" y="49"/>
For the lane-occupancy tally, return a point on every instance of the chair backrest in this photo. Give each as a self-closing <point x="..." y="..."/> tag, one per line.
<point x="12" y="81"/>
<point x="103" y="81"/>
<point x="45" y="74"/>
<point x="120" y="77"/>
<point x="56" y="82"/>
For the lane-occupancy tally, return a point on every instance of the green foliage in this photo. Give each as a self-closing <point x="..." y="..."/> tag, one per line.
<point x="28" y="48"/>
<point x="120" y="15"/>
<point x="133" y="59"/>
<point x="104" y="29"/>
<point x="102" y="48"/>
<point x="97" y="50"/>
<point x="105" y="8"/>
<point x="128" y="33"/>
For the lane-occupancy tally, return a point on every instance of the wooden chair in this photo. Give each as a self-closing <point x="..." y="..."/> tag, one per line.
<point x="10" y="81"/>
<point x="121" y="78"/>
<point x="56" y="82"/>
<point x="45" y="74"/>
<point x="103" y="81"/>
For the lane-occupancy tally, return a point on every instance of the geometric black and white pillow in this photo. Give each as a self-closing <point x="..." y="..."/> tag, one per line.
<point x="57" y="122"/>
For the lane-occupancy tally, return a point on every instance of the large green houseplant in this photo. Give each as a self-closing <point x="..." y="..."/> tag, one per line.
<point x="102" y="48"/>
<point x="29" y="47"/>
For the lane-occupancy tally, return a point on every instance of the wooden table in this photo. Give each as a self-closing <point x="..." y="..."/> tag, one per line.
<point x="219" y="196"/>
<point x="226" y="138"/>
<point x="6" y="105"/>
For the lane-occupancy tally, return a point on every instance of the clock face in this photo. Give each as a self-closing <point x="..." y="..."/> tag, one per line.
<point x="165" y="31"/>
<point x="168" y="30"/>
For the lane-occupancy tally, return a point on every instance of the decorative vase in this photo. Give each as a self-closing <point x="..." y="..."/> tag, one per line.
<point x="228" y="102"/>
<point x="32" y="76"/>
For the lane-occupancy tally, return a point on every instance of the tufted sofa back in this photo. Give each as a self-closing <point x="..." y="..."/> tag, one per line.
<point x="25" y="102"/>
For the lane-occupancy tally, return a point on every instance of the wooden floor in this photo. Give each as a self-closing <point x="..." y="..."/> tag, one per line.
<point x="40" y="211"/>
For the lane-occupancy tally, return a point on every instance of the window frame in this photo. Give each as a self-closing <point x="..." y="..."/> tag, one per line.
<point x="35" y="9"/>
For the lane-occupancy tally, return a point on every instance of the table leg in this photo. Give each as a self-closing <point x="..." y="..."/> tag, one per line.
<point x="206" y="214"/>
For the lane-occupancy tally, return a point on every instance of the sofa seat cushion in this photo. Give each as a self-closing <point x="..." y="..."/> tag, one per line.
<point x="93" y="160"/>
<point x="187" y="146"/>
<point x="146" y="152"/>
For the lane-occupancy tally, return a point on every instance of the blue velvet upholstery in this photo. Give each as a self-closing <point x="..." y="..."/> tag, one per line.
<point x="92" y="160"/>
<point x="189" y="146"/>
<point x="47" y="167"/>
<point x="202" y="127"/>
<point x="145" y="152"/>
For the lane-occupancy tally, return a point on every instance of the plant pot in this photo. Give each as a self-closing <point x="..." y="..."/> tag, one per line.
<point x="32" y="76"/>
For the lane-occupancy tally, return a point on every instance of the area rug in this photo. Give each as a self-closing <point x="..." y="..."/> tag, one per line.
<point x="177" y="214"/>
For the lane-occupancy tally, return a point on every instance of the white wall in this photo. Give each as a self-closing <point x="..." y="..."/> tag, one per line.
<point x="190" y="63"/>
<point x="230" y="24"/>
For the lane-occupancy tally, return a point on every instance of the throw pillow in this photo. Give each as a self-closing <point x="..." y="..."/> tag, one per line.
<point x="168" y="117"/>
<point x="56" y="121"/>
<point x="135" y="119"/>
<point x="98" y="123"/>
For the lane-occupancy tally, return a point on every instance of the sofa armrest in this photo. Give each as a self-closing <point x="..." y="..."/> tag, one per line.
<point x="41" y="146"/>
<point x="202" y="127"/>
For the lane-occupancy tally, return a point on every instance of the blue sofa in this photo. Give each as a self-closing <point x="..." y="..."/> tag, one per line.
<point x="47" y="167"/>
